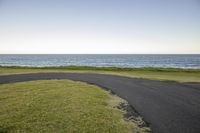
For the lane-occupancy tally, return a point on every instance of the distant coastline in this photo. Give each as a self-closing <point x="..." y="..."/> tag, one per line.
<point x="93" y="68"/>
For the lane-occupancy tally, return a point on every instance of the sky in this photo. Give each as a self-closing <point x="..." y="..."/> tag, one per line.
<point x="100" y="27"/>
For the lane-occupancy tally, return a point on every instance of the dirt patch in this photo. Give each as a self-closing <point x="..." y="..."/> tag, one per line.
<point x="130" y="115"/>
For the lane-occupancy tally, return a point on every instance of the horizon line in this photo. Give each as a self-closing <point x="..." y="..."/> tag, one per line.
<point x="99" y="53"/>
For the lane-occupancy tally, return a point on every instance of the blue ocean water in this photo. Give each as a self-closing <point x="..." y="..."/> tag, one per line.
<point x="109" y="60"/>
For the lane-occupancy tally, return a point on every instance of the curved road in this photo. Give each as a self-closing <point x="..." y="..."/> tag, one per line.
<point x="169" y="107"/>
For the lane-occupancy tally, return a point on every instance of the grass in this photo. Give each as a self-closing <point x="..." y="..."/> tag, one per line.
<point x="175" y="74"/>
<point x="59" y="106"/>
<point x="74" y="107"/>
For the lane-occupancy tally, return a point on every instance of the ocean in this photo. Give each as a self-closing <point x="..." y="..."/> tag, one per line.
<point x="102" y="60"/>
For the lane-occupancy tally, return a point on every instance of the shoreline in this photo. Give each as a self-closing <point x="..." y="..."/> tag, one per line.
<point x="164" y="69"/>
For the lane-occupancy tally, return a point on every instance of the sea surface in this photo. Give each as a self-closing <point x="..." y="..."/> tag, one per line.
<point x="99" y="60"/>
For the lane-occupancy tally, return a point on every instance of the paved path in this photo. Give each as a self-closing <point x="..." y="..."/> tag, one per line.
<point x="169" y="107"/>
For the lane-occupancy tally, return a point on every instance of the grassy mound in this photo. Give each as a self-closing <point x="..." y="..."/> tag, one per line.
<point x="58" y="106"/>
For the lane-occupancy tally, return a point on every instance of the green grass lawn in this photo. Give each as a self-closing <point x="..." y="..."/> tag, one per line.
<point x="180" y="75"/>
<point x="60" y="106"/>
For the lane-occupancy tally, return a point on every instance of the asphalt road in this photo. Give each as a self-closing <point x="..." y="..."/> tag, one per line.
<point x="169" y="107"/>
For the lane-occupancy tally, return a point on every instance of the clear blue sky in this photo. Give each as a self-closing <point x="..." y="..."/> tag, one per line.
<point x="100" y="26"/>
